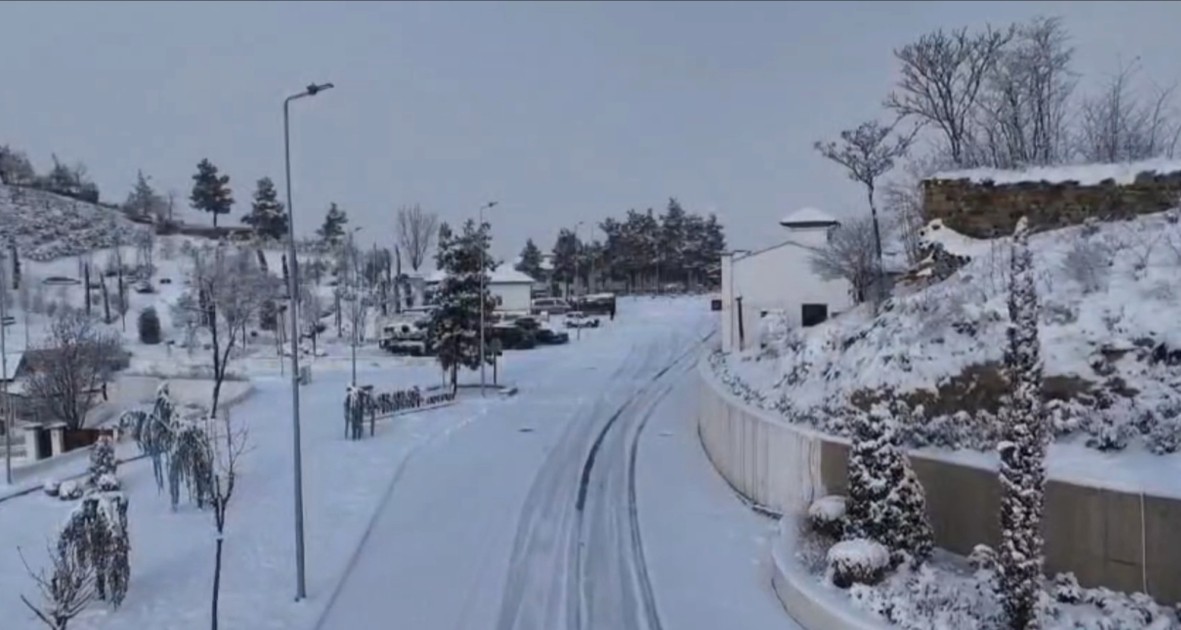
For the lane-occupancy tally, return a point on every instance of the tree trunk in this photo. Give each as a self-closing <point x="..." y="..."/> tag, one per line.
<point x="216" y="579"/>
<point x="215" y="222"/>
<point x="86" y="275"/>
<point x="106" y="301"/>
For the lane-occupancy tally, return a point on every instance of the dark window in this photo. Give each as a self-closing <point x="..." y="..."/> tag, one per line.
<point x="812" y="314"/>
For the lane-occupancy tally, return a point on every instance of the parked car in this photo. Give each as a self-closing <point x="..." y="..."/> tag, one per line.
<point x="408" y="335"/>
<point x="578" y="319"/>
<point x="544" y="334"/>
<point x="553" y="306"/>
<point x="511" y="336"/>
<point x="595" y="304"/>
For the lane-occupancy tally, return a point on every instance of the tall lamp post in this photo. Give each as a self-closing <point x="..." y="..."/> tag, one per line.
<point x="6" y="408"/>
<point x="483" y="381"/>
<point x="292" y="289"/>
<point x="577" y="255"/>
<point x="354" y="306"/>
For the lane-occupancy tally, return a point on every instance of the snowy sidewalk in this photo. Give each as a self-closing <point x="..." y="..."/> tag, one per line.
<point x="709" y="555"/>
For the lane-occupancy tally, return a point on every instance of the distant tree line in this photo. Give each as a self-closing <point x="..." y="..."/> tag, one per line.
<point x="643" y="251"/>
<point x="70" y="181"/>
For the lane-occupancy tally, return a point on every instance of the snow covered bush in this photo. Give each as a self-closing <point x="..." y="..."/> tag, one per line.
<point x="70" y="490"/>
<point x="102" y="461"/>
<point x="1023" y="447"/>
<point x="774" y="331"/>
<point x="107" y="483"/>
<point x="149" y="326"/>
<point x="826" y="516"/>
<point x="190" y="461"/>
<point x="886" y="501"/>
<point x="51" y="487"/>
<point x="857" y="561"/>
<point x="1088" y="263"/>
<point x="95" y="534"/>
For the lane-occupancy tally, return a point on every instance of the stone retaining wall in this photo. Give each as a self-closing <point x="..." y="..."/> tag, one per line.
<point x="988" y="210"/>
<point x="1122" y="540"/>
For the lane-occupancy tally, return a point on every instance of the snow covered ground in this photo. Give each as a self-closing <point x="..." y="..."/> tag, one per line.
<point x="462" y="517"/>
<point x="520" y="521"/>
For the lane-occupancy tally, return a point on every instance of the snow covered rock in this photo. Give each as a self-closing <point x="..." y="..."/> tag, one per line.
<point x="858" y="561"/>
<point x="51" y="487"/>
<point x="826" y="515"/>
<point x="69" y="491"/>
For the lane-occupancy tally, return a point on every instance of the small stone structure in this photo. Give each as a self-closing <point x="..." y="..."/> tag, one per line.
<point x="984" y="209"/>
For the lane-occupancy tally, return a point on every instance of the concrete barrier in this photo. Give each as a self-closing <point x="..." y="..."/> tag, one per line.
<point x="1119" y="539"/>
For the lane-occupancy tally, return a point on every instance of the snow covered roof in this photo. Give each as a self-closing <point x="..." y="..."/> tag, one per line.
<point x="808" y="217"/>
<point x="13" y="360"/>
<point x="1084" y="174"/>
<point x="501" y="275"/>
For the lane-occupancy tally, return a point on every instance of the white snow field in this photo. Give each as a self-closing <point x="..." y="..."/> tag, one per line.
<point x="554" y="511"/>
<point x="491" y="513"/>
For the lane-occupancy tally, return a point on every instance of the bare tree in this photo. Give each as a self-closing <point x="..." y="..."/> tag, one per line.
<point x="1121" y="124"/>
<point x="416" y="231"/>
<point x="229" y="291"/>
<point x="72" y="368"/>
<point x="1023" y="106"/>
<point x="867" y="153"/>
<point x="227" y="443"/>
<point x="942" y="75"/>
<point x="849" y="256"/>
<point x="65" y="592"/>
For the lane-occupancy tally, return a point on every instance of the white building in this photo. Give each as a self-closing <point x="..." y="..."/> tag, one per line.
<point x="780" y="278"/>
<point x="512" y="289"/>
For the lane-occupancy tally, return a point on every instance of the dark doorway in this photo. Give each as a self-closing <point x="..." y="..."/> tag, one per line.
<point x="812" y="314"/>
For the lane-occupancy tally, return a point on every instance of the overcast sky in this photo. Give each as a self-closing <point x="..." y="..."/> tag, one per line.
<point x="559" y="111"/>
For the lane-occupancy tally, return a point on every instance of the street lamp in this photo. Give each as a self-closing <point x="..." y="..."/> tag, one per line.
<point x="292" y="287"/>
<point x="7" y="406"/>
<point x="483" y="305"/>
<point x="354" y="306"/>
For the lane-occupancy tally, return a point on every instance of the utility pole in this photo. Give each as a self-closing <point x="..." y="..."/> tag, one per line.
<point x="6" y="408"/>
<point x="292" y="287"/>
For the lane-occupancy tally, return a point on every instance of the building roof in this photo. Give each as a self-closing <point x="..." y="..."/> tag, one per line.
<point x="13" y="361"/>
<point x="501" y="275"/>
<point x="808" y="217"/>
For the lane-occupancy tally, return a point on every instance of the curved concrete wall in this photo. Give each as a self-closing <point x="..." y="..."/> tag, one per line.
<point x="1124" y="541"/>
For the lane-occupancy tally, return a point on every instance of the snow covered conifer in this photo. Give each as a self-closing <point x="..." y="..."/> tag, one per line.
<point x="456" y="320"/>
<point x="1022" y="447"/>
<point x="102" y="460"/>
<point x="267" y="215"/>
<point x="95" y="535"/>
<point x="886" y="501"/>
<point x="149" y="326"/>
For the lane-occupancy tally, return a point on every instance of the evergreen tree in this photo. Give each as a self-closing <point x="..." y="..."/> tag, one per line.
<point x="332" y="232"/>
<point x="149" y="326"/>
<point x="456" y="319"/>
<point x="566" y="251"/>
<point x="143" y="201"/>
<point x="102" y="461"/>
<point x="671" y="249"/>
<point x="267" y="214"/>
<point x="1022" y="447"/>
<point x="886" y="501"/>
<point x="211" y="191"/>
<point x="530" y="263"/>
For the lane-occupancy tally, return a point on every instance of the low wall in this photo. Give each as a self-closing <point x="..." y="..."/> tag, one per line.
<point x="1124" y="541"/>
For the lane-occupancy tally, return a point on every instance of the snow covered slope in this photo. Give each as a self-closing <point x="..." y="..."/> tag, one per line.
<point x="1111" y="300"/>
<point x="46" y="226"/>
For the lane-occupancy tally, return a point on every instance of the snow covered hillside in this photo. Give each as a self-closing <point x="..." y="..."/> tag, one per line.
<point x="45" y="226"/>
<point x="1110" y="296"/>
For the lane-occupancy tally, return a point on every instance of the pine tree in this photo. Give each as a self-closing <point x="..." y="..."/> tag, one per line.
<point x="102" y="461"/>
<point x="530" y="263"/>
<point x="143" y="201"/>
<point x="1022" y="447"/>
<point x="149" y="326"/>
<point x="332" y="232"/>
<point x="267" y="214"/>
<point x="566" y="251"/>
<point x="211" y="191"/>
<point x="456" y="319"/>
<point x="886" y="501"/>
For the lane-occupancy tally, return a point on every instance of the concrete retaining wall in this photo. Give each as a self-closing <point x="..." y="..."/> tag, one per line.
<point x="1122" y="540"/>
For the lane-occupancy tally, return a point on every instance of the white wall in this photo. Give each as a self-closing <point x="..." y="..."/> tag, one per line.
<point x="512" y="297"/>
<point x="778" y="278"/>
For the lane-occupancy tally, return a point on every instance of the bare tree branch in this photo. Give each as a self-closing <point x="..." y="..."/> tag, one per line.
<point x="65" y="592"/>
<point x="72" y="367"/>
<point x="942" y="75"/>
<point x="416" y="231"/>
<point x="1120" y="125"/>
<point x="849" y="255"/>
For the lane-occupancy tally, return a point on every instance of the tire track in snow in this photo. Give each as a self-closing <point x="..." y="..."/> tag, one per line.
<point x="552" y="579"/>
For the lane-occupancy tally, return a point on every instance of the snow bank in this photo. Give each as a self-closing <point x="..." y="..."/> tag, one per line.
<point x="1084" y="174"/>
<point x="1110" y="296"/>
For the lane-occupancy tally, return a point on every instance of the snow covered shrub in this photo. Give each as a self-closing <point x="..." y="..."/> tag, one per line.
<point x="1088" y="263"/>
<point x="95" y="534"/>
<point x="774" y="331"/>
<point x="858" y="561"/>
<point x="886" y="501"/>
<point x="70" y="491"/>
<point x="826" y="516"/>
<point x="149" y="326"/>
<point x="107" y="483"/>
<point x="982" y="558"/>
<point x="51" y="487"/>
<point x="1163" y="433"/>
<point x="1023" y="446"/>
<point x="102" y="460"/>
<point x="1107" y="433"/>
<point x="1066" y="589"/>
<point x="190" y="461"/>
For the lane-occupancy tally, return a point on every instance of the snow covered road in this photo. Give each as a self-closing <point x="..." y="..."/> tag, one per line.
<point x="546" y="514"/>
